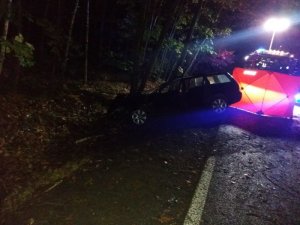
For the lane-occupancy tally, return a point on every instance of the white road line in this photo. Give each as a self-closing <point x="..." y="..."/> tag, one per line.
<point x="194" y="214"/>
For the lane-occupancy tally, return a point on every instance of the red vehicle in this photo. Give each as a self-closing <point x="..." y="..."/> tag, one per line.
<point x="270" y="83"/>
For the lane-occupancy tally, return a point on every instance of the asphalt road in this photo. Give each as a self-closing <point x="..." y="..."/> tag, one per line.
<point x="150" y="176"/>
<point x="257" y="174"/>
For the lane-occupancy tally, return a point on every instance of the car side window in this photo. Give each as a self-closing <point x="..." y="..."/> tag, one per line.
<point x="218" y="79"/>
<point x="198" y="81"/>
<point x="193" y="83"/>
<point x="173" y="86"/>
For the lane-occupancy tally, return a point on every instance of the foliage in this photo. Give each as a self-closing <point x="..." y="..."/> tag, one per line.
<point x="206" y="46"/>
<point x="222" y="59"/>
<point x="20" y="49"/>
<point x="174" y="45"/>
<point x="116" y="25"/>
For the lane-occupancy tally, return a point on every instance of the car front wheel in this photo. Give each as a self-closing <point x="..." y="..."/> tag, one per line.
<point x="139" y="117"/>
<point x="219" y="104"/>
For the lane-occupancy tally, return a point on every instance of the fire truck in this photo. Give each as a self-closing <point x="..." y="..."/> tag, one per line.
<point x="270" y="83"/>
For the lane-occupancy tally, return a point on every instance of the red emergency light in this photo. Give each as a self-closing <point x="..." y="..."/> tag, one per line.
<point x="250" y="72"/>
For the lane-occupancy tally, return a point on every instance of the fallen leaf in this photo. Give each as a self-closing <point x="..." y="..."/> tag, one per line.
<point x="31" y="221"/>
<point x="165" y="219"/>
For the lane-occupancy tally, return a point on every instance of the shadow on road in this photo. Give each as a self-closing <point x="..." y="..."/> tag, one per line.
<point x="206" y="121"/>
<point x="264" y="126"/>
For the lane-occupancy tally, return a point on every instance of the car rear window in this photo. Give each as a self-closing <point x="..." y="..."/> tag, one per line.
<point x="218" y="79"/>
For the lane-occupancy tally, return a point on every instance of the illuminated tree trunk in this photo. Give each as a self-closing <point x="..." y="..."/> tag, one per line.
<point x="171" y="19"/>
<point x="66" y="58"/>
<point x="188" y="38"/>
<point x="4" y="35"/>
<point x="189" y="68"/>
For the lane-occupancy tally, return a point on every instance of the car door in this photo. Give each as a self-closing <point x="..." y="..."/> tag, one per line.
<point x="170" y="96"/>
<point x="194" y="90"/>
<point x="218" y="84"/>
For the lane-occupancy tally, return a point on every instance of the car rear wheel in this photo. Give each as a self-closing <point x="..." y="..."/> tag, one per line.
<point x="139" y="117"/>
<point x="219" y="104"/>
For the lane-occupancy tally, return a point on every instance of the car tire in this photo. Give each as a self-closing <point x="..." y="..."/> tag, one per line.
<point x="219" y="104"/>
<point x="139" y="117"/>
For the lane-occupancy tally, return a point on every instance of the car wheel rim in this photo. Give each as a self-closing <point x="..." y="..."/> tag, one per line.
<point x="219" y="105"/>
<point x="139" y="117"/>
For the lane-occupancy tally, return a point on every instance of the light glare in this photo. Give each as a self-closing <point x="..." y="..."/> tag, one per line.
<point x="260" y="50"/>
<point x="297" y="98"/>
<point x="277" y="24"/>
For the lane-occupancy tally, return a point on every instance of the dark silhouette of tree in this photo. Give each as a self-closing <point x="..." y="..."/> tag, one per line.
<point x="5" y="33"/>
<point x="159" y="39"/>
<point x="87" y="41"/>
<point x="66" y="57"/>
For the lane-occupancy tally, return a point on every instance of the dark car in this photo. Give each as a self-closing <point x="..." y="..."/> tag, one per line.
<point x="213" y="91"/>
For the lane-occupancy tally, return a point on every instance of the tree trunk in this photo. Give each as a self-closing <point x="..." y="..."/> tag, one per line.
<point x="111" y="19"/>
<point x="148" y="14"/>
<point x="171" y="65"/>
<point x="154" y="13"/>
<point x="66" y="57"/>
<point x="140" y="33"/>
<point x="59" y="13"/>
<point x="4" y="35"/>
<point x="193" y="60"/>
<point x="101" y="23"/>
<point x="188" y="39"/>
<point x="170" y="20"/>
<point x="42" y="42"/>
<point x="18" y="71"/>
<point x="87" y="41"/>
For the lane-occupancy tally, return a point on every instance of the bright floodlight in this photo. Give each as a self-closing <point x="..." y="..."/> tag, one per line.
<point x="276" y="25"/>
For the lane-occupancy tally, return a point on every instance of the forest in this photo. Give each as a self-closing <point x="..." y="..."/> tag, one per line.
<point x="157" y="39"/>
<point x="62" y="61"/>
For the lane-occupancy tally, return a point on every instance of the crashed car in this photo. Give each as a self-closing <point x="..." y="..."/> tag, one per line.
<point x="212" y="91"/>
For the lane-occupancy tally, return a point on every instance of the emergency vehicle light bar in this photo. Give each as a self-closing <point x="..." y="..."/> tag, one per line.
<point x="250" y="72"/>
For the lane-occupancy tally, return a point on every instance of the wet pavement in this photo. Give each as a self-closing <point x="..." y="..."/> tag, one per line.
<point x="255" y="182"/>
<point x="148" y="176"/>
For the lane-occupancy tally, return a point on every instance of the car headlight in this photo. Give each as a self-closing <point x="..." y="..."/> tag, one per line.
<point x="297" y="98"/>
